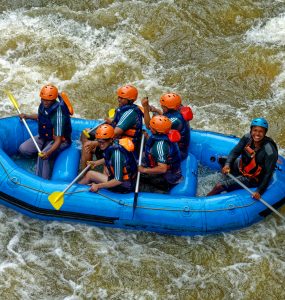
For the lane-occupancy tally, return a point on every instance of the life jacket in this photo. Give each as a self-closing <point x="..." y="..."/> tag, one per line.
<point x="186" y="113"/>
<point x="67" y="102"/>
<point x="251" y="169"/>
<point x="45" y="128"/>
<point x="130" y="166"/>
<point x="174" y="157"/>
<point x="184" y="132"/>
<point x="136" y="131"/>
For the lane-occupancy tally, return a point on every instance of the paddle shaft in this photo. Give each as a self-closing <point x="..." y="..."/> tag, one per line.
<point x="76" y="178"/>
<point x="94" y="128"/>
<point x="138" y="177"/>
<point x="31" y="135"/>
<point x="140" y="161"/>
<point x="14" y="102"/>
<point x="88" y="190"/>
<point x="261" y="200"/>
<point x="110" y="114"/>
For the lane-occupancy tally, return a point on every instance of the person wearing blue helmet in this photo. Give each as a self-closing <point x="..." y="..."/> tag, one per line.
<point x="252" y="160"/>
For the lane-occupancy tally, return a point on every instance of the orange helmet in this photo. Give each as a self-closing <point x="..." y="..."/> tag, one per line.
<point x="49" y="92"/>
<point x="170" y="100"/>
<point x="104" y="131"/>
<point x="160" y="124"/>
<point x="128" y="92"/>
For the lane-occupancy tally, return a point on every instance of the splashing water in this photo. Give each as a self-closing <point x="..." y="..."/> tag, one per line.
<point x="226" y="60"/>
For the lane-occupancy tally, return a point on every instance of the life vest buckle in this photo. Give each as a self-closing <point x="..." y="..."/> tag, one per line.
<point x="250" y="151"/>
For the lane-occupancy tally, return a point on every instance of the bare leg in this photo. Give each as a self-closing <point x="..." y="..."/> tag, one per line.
<point x="93" y="176"/>
<point x="88" y="149"/>
<point x="218" y="188"/>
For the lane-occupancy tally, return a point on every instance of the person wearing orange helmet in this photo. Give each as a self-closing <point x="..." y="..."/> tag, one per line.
<point x="170" y="104"/>
<point x="127" y="122"/>
<point x="54" y="130"/>
<point x="120" y="168"/>
<point x="162" y="167"/>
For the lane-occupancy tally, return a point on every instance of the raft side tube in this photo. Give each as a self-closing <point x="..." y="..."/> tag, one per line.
<point x="15" y="134"/>
<point x="207" y="147"/>
<point x="80" y="124"/>
<point x="188" y="186"/>
<point x="20" y="184"/>
<point x="66" y="163"/>
<point x="226" y="211"/>
<point x="183" y="216"/>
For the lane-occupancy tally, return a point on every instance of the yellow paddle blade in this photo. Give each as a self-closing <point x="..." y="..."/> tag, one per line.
<point x="86" y="133"/>
<point x="12" y="99"/>
<point x="111" y="113"/>
<point x="56" y="199"/>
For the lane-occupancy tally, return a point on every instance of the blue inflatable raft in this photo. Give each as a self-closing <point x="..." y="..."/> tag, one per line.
<point x="179" y="213"/>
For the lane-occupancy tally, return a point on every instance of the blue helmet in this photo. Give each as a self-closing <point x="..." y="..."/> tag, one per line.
<point x="261" y="122"/>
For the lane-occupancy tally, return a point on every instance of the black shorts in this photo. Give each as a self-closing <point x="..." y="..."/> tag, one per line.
<point x="124" y="188"/>
<point x="230" y="185"/>
<point x="154" y="183"/>
<point x="98" y="153"/>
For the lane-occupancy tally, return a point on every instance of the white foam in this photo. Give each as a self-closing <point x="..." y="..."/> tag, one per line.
<point x="13" y="243"/>
<point x="272" y="32"/>
<point x="98" y="54"/>
<point x="76" y="255"/>
<point x="7" y="265"/>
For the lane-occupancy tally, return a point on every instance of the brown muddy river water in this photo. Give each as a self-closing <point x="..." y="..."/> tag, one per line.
<point x="225" y="58"/>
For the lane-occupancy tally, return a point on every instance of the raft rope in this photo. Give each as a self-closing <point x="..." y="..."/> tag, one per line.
<point x="186" y="209"/>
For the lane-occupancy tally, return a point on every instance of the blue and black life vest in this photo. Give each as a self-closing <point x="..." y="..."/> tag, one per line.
<point x="130" y="168"/>
<point x="185" y="131"/>
<point x="174" y="157"/>
<point x="45" y="129"/>
<point x="136" y="131"/>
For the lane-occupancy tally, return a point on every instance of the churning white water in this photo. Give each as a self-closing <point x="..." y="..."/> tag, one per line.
<point x="226" y="59"/>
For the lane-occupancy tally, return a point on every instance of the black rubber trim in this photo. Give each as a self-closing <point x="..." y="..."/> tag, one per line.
<point x="268" y="211"/>
<point x="57" y="213"/>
